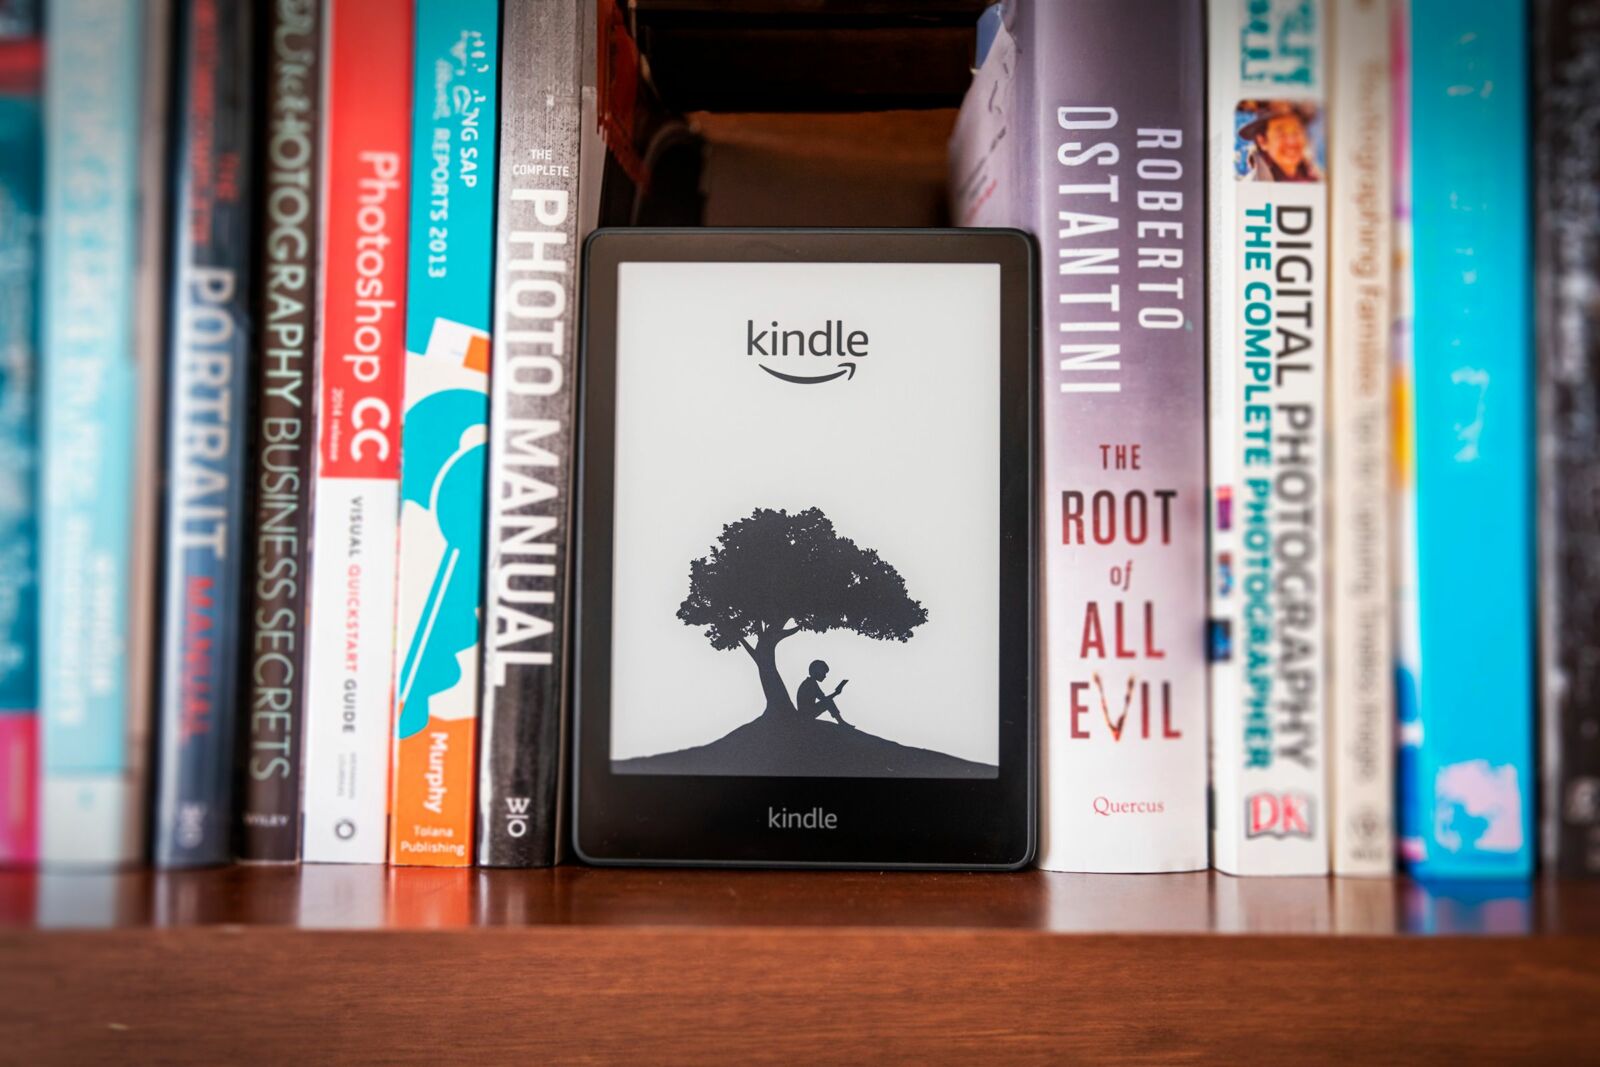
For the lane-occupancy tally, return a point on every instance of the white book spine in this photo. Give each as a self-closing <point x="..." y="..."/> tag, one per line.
<point x="1360" y="676"/>
<point x="350" y="669"/>
<point x="1268" y="341"/>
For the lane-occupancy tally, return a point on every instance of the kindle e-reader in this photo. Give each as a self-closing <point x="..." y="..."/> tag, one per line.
<point x="805" y="584"/>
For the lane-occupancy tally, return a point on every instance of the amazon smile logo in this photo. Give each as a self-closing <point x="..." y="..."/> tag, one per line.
<point x="801" y="350"/>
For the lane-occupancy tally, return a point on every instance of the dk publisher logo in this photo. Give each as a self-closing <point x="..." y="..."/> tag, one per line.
<point x="1280" y="815"/>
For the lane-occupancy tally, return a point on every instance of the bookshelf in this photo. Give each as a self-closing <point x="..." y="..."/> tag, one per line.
<point x="874" y="168"/>
<point x="808" y="55"/>
<point x="813" y="112"/>
<point x="569" y="964"/>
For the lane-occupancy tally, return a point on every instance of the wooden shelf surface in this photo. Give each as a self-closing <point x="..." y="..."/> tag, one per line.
<point x="363" y="898"/>
<point x="578" y="965"/>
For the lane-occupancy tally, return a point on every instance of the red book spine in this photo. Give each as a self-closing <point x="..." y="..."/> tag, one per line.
<point x="361" y="366"/>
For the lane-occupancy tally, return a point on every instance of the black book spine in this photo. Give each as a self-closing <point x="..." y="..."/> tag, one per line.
<point x="208" y="382"/>
<point x="19" y="19"/>
<point x="269" y="808"/>
<point x="527" y="584"/>
<point x="1567" y="231"/>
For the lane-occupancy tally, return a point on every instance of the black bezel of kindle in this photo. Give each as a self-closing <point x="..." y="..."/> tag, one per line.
<point x="635" y="819"/>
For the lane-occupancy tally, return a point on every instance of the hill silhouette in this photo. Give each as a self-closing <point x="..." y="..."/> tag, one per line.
<point x="790" y="746"/>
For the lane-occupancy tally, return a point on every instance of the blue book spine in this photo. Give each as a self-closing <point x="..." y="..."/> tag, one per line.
<point x="445" y="437"/>
<point x="208" y="382"/>
<point x="90" y="385"/>
<point x="1467" y="776"/>
<point x="21" y="200"/>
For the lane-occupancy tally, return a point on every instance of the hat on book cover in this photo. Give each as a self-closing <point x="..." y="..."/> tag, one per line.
<point x="1268" y="110"/>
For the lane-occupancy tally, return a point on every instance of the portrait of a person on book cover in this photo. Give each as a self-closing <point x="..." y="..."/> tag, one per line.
<point x="1278" y="141"/>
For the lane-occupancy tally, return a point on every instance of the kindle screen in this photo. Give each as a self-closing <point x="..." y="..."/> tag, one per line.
<point x="806" y="547"/>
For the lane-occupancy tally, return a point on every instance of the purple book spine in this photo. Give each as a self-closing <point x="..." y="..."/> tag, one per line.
<point x="1085" y="126"/>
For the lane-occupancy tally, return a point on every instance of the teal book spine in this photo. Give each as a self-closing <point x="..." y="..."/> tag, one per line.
<point x="93" y="682"/>
<point x="444" y="447"/>
<point x="1467" y="715"/>
<point x="21" y="195"/>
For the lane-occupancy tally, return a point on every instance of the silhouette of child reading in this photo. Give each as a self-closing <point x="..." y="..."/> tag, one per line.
<point x="812" y="701"/>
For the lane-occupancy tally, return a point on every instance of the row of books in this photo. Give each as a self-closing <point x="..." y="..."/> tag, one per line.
<point x="296" y="594"/>
<point x="1289" y="343"/>
<point x="298" y="464"/>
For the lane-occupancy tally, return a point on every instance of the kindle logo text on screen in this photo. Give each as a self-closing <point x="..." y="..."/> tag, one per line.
<point x="791" y="348"/>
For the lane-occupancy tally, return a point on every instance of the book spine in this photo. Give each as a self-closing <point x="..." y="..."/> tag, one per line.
<point x="360" y="371"/>
<point x="208" y="385"/>
<point x="1118" y="162"/>
<point x="525" y="654"/>
<point x="21" y="208"/>
<point x="1268" y="330"/>
<point x="152" y="327"/>
<point x="19" y="19"/>
<point x="269" y="810"/>
<point x="1470" y="769"/>
<point x="1402" y="417"/>
<point x="105" y="102"/>
<point x="1360" y="679"/>
<point x="1567" y="162"/>
<point x="985" y="145"/>
<point x="445" y="456"/>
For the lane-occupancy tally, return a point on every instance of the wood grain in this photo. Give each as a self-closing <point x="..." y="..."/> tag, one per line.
<point x="355" y="897"/>
<point x="693" y="995"/>
<point x="369" y="964"/>
<point x="868" y="169"/>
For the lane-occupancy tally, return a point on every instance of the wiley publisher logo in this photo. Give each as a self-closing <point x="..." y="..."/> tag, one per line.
<point x="831" y="341"/>
<point x="517" y="816"/>
<point x="1278" y="815"/>
<point x="191" y="825"/>
<point x="815" y="819"/>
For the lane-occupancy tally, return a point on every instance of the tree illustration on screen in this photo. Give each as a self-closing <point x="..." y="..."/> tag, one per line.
<point x="773" y="575"/>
